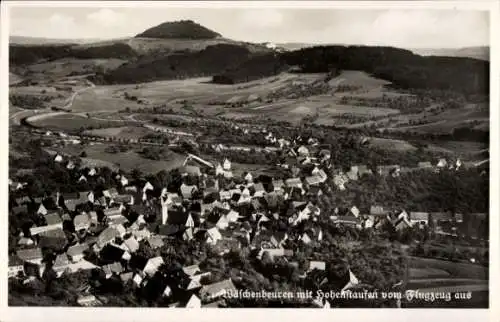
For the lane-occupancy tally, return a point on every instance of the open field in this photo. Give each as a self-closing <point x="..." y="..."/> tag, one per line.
<point x="417" y="273"/>
<point x="14" y="79"/>
<point x="390" y="144"/>
<point x="70" y="122"/>
<point x="126" y="132"/>
<point x="66" y="66"/>
<point x="127" y="160"/>
<point x="358" y="78"/>
<point x="457" y="270"/>
<point x="459" y="147"/>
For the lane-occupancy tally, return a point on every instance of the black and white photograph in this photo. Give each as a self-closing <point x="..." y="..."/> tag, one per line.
<point x="192" y="156"/>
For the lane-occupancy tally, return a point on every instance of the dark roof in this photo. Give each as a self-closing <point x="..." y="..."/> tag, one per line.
<point x="53" y="219"/>
<point x="167" y="230"/>
<point x="14" y="260"/>
<point x="177" y="217"/>
<point x="111" y="253"/>
<point x="138" y="262"/>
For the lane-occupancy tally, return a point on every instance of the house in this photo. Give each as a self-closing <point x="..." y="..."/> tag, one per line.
<point x="194" y="302"/>
<point x="213" y="236"/>
<point x="402" y="224"/>
<point x="148" y="186"/>
<point x="180" y="218"/>
<point x="275" y="252"/>
<point x="278" y="185"/>
<point x="58" y="158"/>
<point x="92" y="172"/>
<point x="123" y="181"/>
<point x="340" y="182"/>
<point x="306" y="239"/>
<point x="348" y="220"/>
<point x="325" y="155"/>
<point x="55" y="239"/>
<point x="155" y="241"/>
<point x="70" y="165"/>
<point x="353" y="173"/>
<point x="188" y="190"/>
<point x="53" y="221"/>
<point x="303" y="151"/>
<point x="294" y="182"/>
<point x="386" y="170"/>
<point x="82" y="221"/>
<point x="354" y="211"/>
<point x="191" y="170"/>
<point x="76" y="252"/>
<point x="110" y="193"/>
<point x="248" y="177"/>
<point x="313" y="180"/>
<point x="442" y="163"/>
<point x="82" y="179"/>
<point x="226" y="165"/>
<point x="425" y="165"/>
<point x="259" y="190"/>
<point x="88" y="300"/>
<point x="16" y="266"/>
<point x="352" y="282"/>
<point x="138" y="279"/>
<point x="60" y="264"/>
<point x="319" y="265"/>
<point x="217" y="290"/>
<point x="112" y="269"/>
<point x="41" y="210"/>
<point x="152" y="265"/>
<point x="141" y="234"/>
<point x="107" y="236"/>
<point x="226" y="245"/>
<point x="364" y="170"/>
<point x="421" y="218"/>
<point x="191" y="270"/>
<point x="219" y="170"/>
<point x="377" y="211"/>
<point x="125" y="277"/>
<point x="131" y="244"/>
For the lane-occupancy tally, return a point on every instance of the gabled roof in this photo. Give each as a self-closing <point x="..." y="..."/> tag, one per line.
<point x="81" y="220"/>
<point x="153" y="264"/>
<point x="137" y="262"/>
<point x="29" y="254"/>
<point x="107" y="235"/>
<point x="216" y="289"/>
<point x="53" y="218"/>
<point x="313" y="180"/>
<point x="114" y="268"/>
<point x="377" y="211"/>
<point x="155" y="241"/>
<point x="61" y="261"/>
<point x="419" y="216"/>
<point x="191" y="270"/>
<point x="77" y="249"/>
<point x="293" y="182"/>
<point x="319" y="265"/>
<point x="167" y="230"/>
<point x="14" y="260"/>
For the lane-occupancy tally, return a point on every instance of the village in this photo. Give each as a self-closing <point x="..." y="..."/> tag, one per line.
<point x="119" y="230"/>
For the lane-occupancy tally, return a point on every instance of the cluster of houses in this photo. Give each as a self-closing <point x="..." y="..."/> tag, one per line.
<point x="216" y="207"/>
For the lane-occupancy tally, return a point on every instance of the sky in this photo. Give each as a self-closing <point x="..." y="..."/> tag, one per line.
<point x="410" y="28"/>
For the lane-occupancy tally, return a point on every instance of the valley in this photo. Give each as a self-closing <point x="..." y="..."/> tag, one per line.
<point x="177" y="162"/>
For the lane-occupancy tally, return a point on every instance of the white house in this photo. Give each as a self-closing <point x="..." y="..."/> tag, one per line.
<point x="227" y="165"/>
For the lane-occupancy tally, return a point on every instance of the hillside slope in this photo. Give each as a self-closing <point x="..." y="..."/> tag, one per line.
<point x="207" y="62"/>
<point x="482" y="52"/>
